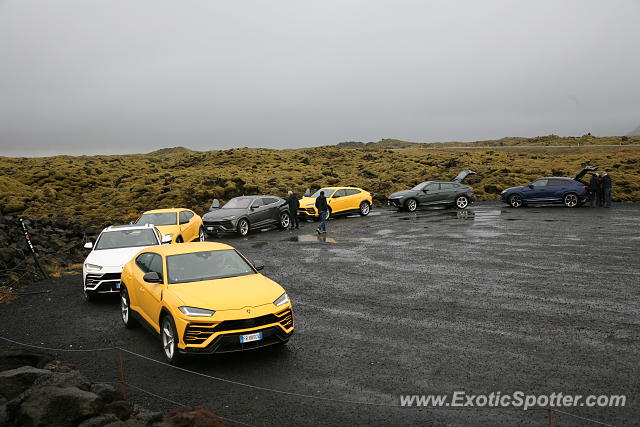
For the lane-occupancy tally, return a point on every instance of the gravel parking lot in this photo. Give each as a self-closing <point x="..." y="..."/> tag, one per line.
<point x="541" y="299"/>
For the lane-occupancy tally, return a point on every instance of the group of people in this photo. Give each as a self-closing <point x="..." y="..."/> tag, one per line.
<point x="600" y="190"/>
<point x="321" y="205"/>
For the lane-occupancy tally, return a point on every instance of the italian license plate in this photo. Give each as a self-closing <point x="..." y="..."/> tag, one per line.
<point x="117" y="285"/>
<point x="250" y="337"/>
<point x="209" y="228"/>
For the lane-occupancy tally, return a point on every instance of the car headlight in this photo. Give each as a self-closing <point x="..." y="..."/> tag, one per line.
<point x="93" y="267"/>
<point x="229" y="218"/>
<point x="196" y="312"/>
<point x="284" y="298"/>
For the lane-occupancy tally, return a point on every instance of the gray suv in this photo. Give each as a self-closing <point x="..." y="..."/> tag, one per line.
<point x="435" y="193"/>
<point x="245" y="213"/>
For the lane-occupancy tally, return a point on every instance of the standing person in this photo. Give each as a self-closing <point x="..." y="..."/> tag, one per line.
<point x="606" y="189"/>
<point x="323" y="210"/>
<point x="594" y="189"/>
<point x="294" y="205"/>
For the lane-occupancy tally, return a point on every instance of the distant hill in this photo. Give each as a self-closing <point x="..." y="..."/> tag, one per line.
<point x="588" y="139"/>
<point x="171" y="150"/>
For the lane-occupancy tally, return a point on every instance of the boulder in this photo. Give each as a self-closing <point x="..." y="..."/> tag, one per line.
<point x="107" y="392"/>
<point x="120" y="408"/>
<point x="194" y="417"/>
<point x="65" y="379"/>
<point x="13" y="359"/>
<point x="16" y="381"/>
<point x="54" y="406"/>
<point x="99" y="421"/>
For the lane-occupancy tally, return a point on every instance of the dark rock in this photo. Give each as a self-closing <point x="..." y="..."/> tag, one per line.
<point x="107" y="392"/>
<point x="148" y="417"/>
<point x="16" y="381"/>
<point x="192" y="417"/>
<point x="120" y="408"/>
<point x="54" y="406"/>
<point x="65" y="379"/>
<point x="368" y="174"/>
<point x="99" y="421"/>
<point x="492" y="189"/>
<point x="12" y="360"/>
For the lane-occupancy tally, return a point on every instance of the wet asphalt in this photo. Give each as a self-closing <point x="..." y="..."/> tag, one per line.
<point x="540" y="300"/>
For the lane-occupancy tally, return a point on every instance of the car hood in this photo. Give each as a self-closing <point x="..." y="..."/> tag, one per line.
<point x="520" y="187"/>
<point x="169" y="229"/>
<point x="113" y="257"/>
<point x="222" y="213"/>
<point x="401" y="194"/>
<point x="232" y="293"/>
<point x="307" y="201"/>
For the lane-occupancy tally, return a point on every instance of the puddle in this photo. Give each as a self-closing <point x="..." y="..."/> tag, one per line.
<point x="384" y="232"/>
<point x="311" y="238"/>
<point x="259" y="244"/>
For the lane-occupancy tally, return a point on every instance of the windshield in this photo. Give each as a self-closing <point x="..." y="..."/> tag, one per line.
<point x="238" y="203"/>
<point x="328" y="192"/>
<point x="419" y="186"/>
<point x="199" y="266"/>
<point x="160" y="218"/>
<point x="126" y="239"/>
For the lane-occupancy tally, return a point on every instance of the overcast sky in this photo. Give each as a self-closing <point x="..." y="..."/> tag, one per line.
<point x="122" y="76"/>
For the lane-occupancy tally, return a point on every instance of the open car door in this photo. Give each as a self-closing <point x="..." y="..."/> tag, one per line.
<point x="462" y="175"/>
<point x="587" y="168"/>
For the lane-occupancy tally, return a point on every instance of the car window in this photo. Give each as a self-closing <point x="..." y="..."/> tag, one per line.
<point x="257" y="202"/>
<point x="352" y="192"/>
<point x="238" y="203"/>
<point x="558" y="182"/>
<point x="269" y="200"/>
<point x="126" y="239"/>
<point x="209" y="265"/>
<point x="158" y="218"/>
<point x="340" y="193"/>
<point x="328" y="192"/>
<point x="183" y="217"/>
<point x="432" y="187"/>
<point x="446" y="186"/>
<point x="155" y="264"/>
<point x="540" y="182"/>
<point x="142" y="261"/>
<point x="189" y="215"/>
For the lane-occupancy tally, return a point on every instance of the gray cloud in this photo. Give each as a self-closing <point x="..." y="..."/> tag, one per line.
<point x="97" y="76"/>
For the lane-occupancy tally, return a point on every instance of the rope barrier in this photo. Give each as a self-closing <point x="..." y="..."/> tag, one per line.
<point x="272" y="390"/>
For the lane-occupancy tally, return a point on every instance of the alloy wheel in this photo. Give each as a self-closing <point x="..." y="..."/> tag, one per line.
<point x="364" y="208"/>
<point x="515" y="201"/>
<point x="168" y="339"/>
<point x="202" y="236"/>
<point x="412" y="205"/>
<point x="571" y="200"/>
<point x="462" y="202"/>
<point x="243" y="227"/>
<point x="284" y="220"/>
<point x="124" y="307"/>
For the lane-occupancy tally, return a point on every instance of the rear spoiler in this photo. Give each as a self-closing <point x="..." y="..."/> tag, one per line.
<point x="462" y="175"/>
<point x="583" y="172"/>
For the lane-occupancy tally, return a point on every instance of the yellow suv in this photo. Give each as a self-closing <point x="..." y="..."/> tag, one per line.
<point x="183" y="225"/>
<point x="341" y="200"/>
<point x="204" y="297"/>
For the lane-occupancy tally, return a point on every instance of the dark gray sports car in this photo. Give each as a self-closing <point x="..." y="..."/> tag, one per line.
<point x="435" y="193"/>
<point x="245" y="213"/>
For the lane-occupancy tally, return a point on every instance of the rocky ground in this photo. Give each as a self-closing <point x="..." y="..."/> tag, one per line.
<point x="542" y="299"/>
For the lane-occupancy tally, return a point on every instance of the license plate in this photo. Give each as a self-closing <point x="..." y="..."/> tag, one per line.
<point x="117" y="285"/>
<point x="209" y="228"/>
<point x="250" y="337"/>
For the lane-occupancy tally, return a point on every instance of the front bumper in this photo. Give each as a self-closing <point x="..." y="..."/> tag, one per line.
<point x="308" y="212"/>
<point x="103" y="282"/>
<point x="215" y="227"/>
<point x="224" y="336"/>
<point x="398" y="203"/>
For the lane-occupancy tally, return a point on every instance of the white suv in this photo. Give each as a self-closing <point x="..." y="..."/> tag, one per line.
<point x="115" y="246"/>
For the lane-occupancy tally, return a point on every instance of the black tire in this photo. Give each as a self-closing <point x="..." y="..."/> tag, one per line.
<point x="169" y="344"/>
<point x="571" y="200"/>
<point x="285" y="220"/>
<point x="365" y="208"/>
<point x="202" y="236"/>
<point x="179" y="239"/>
<point x="89" y="296"/>
<point x="125" y="309"/>
<point x="515" y="201"/>
<point x="243" y="227"/>
<point x="411" y="205"/>
<point x="462" y="202"/>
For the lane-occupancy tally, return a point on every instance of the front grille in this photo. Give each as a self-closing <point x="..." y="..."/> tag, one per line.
<point x="218" y="224"/>
<point x="197" y="333"/>
<point x="102" y="277"/>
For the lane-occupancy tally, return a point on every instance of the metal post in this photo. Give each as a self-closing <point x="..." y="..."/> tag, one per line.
<point x="549" y="417"/>
<point x="123" y="384"/>
<point x="32" y="249"/>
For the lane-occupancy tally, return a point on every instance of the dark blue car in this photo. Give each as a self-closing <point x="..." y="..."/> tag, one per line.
<point x="571" y="192"/>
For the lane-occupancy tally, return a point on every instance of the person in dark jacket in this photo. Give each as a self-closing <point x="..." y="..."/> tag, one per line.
<point x="606" y="189"/>
<point x="595" y="190"/>
<point x="323" y="210"/>
<point x="294" y="205"/>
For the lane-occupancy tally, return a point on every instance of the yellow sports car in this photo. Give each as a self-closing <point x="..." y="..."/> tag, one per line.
<point x="341" y="200"/>
<point x="204" y="298"/>
<point x="183" y="225"/>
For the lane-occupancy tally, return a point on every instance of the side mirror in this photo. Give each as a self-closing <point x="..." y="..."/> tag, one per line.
<point x="424" y="190"/>
<point x="307" y="192"/>
<point x="253" y="207"/>
<point x="166" y="239"/>
<point x="152" y="277"/>
<point x="215" y="204"/>
<point x="530" y="186"/>
<point x="258" y="265"/>
<point x="88" y="245"/>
